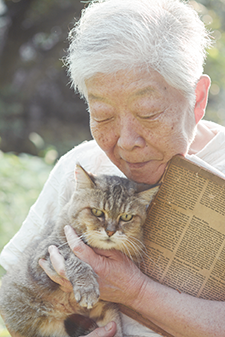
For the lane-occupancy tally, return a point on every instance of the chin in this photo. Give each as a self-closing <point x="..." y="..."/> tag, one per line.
<point x="145" y="176"/>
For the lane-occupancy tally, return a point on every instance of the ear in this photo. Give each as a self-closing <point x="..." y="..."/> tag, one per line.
<point x="201" y="93"/>
<point x="83" y="179"/>
<point x="149" y="194"/>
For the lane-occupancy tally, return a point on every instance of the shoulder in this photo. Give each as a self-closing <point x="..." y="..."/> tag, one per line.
<point x="214" y="127"/>
<point x="213" y="152"/>
<point x="89" y="155"/>
<point x="82" y="152"/>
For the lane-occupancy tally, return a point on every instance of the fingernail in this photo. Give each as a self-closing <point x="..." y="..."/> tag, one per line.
<point x="69" y="232"/>
<point x="50" y="249"/>
<point x="41" y="262"/>
<point x="67" y="229"/>
<point x="109" y="326"/>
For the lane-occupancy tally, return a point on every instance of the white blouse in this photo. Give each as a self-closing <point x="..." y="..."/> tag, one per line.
<point x="61" y="182"/>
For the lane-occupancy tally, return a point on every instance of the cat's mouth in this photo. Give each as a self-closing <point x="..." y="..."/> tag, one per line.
<point x="106" y="243"/>
<point x="101" y="240"/>
<point x="107" y="240"/>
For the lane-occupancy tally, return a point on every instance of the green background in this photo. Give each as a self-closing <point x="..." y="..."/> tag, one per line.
<point x="40" y="116"/>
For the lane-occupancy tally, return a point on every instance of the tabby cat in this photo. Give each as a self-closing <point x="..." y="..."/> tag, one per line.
<point x="107" y="212"/>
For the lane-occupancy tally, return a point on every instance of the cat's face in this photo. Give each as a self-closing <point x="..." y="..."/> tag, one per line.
<point x="109" y="212"/>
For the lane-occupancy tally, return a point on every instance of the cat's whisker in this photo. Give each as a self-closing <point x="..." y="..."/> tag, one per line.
<point x="142" y="249"/>
<point x="135" y="248"/>
<point x="72" y="241"/>
<point x="140" y="256"/>
<point x="126" y="250"/>
<point x="141" y="245"/>
<point x="144" y="252"/>
<point x="137" y="243"/>
<point x="63" y="244"/>
<point x="87" y="236"/>
<point x="138" y="250"/>
<point x="140" y="260"/>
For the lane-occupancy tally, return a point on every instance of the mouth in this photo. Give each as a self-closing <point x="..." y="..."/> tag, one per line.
<point x="137" y="165"/>
<point x="148" y="172"/>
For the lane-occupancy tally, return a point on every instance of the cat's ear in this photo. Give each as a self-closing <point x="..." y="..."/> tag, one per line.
<point x="148" y="195"/>
<point x="83" y="178"/>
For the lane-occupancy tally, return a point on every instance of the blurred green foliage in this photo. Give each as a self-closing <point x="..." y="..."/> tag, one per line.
<point x="212" y="13"/>
<point x="21" y="180"/>
<point x="34" y="93"/>
<point x="39" y="113"/>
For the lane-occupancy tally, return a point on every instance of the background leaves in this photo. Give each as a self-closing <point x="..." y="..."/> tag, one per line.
<point x="40" y="116"/>
<point x="35" y="96"/>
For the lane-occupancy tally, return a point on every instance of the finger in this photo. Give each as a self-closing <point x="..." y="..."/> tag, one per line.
<point x="57" y="261"/>
<point x="80" y="249"/>
<point x="64" y="283"/>
<point x="107" y="331"/>
<point x="66" y="286"/>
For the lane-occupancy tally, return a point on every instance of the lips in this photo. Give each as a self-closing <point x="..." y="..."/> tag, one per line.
<point x="137" y="165"/>
<point x="148" y="172"/>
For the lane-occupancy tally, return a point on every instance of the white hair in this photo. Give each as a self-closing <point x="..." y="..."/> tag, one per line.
<point x="164" y="35"/>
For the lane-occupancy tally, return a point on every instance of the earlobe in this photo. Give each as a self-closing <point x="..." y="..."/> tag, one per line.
<point x="201" y="93"/>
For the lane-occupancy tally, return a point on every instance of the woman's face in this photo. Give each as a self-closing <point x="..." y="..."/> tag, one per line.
<point x="139" y="121"/>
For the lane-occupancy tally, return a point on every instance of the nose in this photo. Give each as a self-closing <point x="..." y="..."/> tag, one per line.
<point x="129" y="137"/>
<point x="110" y="233"/>
<point x="111" y="227"/>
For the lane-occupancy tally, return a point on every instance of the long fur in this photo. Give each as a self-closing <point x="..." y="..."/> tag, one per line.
<point x="34" y="305"/>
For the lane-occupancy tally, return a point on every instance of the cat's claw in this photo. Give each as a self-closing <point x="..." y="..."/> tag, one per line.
<point x="86" y="290"/>
<point x="87" y="297"/>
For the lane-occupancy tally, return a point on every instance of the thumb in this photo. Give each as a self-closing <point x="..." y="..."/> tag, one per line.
<point x="80" y="249"/>
<point x="107" y="331"/>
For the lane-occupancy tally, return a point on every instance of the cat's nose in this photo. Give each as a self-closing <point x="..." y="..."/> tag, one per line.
<point x="110" y="233"/>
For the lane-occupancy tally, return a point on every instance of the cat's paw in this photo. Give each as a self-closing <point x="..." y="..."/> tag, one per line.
<point x="86" y="292"/>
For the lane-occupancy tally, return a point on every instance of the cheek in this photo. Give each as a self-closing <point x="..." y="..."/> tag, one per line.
<point x="105" y="136"/>
<point x="133" y="228"/>
<point x="176" y="140"/>
<point x="172" y="127"/>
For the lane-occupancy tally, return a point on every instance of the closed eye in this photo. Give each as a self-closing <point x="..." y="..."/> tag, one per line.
<point x="151" y="116"/>
<point x="103" y="120"/>
<point x="97" y="212"/>
<point x="126" y="217"/>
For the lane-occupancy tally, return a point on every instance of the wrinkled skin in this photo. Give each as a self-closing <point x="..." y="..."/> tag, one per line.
<point x="139" y="121"/>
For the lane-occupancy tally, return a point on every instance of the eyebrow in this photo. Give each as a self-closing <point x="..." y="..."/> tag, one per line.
<point x="94" y="97"/>
<point x="144" y="91"/>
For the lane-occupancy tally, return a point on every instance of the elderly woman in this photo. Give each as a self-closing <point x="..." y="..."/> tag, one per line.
<point x="138" y="64"/>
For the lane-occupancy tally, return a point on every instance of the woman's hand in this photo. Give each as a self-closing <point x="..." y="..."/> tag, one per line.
<point x="107" y="331"/>
<point x="59" y="276"/>
<point x="120" y="280"/>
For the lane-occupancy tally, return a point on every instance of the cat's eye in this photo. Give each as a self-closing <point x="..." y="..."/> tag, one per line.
<point x="97" y="212"/>
<point x="126" y="217"/>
